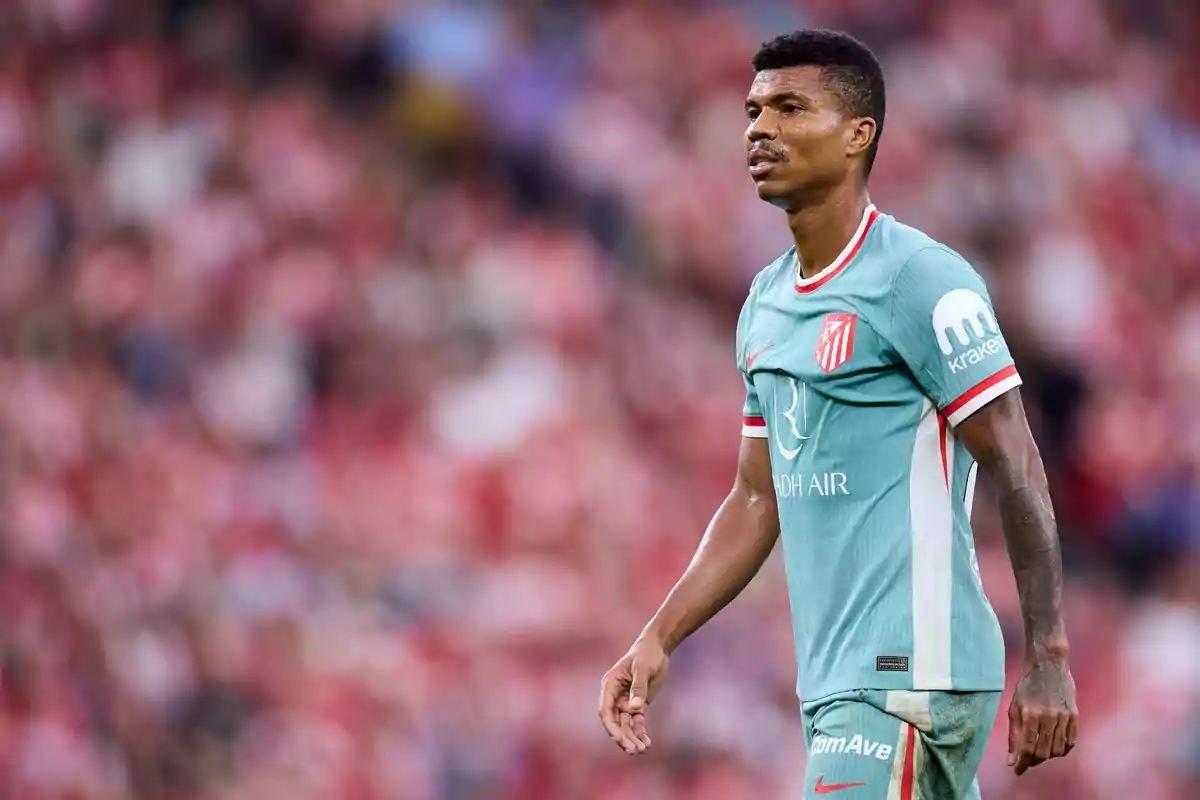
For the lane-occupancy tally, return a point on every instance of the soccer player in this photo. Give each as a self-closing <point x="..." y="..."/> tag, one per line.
<point x="877" y="381"/>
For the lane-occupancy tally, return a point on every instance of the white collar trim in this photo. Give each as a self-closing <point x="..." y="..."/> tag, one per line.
<point x="840" y="260"/>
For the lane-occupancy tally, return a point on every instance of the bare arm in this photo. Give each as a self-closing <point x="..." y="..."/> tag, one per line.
<point x="735" y="545"/>
<point x="738" y="540"/>
<point x="998" y="437"/>
<point x="1043" y="715"/>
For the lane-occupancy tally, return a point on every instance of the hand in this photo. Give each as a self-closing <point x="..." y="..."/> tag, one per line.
<point x="1043" y="716"/>
<point x="627" y="691"/>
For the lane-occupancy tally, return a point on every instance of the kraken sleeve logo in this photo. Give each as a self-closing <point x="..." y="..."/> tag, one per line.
<point x="967" y="315"/>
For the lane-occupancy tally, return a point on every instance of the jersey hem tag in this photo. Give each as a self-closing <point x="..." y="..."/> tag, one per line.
<point x="891" y="664"/>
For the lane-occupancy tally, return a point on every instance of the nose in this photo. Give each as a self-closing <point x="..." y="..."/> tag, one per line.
<point x="761" y="127"/>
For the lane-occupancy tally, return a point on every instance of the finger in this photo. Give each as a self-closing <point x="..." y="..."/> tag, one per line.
<point x="1030" y="730"/>
<point x="1014" y="734"/>
<point x="630" y="743"/>
<point x="1027" y="741"/>
<point x="1058" y="746"/>
<point x="639" y="729"/>
<point x="609" y="693"/>
<point x="1047" y="723"/>
<point x="626" y="734"/>
<point x="638" y="688"/>
<point x="1072" y="731"/>
<point x="637" y="718"/>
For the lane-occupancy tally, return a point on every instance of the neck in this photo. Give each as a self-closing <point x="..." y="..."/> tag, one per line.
<point x="821" y="230"/>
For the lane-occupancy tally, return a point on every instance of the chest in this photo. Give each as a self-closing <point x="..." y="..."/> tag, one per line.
<point x="833" y="344"/>
<point x="832" y="388"/>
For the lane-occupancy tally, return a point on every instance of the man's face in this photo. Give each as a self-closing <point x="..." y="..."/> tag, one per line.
<point x="797" y="140"/>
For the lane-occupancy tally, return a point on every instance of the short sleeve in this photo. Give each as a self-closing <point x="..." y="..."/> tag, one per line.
<point x="946" y="331"/>
<point x="753" y="424"/>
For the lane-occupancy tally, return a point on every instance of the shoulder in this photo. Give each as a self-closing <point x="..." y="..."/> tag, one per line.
<point x="906" y="249"/>
<point x="761" y="284"/>
<point x="918" y="268"/>
<point x="771" y="273"/>
<point x="926" y="280"/>
<point x="767" y="278"/>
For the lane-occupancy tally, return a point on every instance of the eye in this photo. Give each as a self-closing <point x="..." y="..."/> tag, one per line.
<point x="753" y="113"/>
<point x="791" y="108"/>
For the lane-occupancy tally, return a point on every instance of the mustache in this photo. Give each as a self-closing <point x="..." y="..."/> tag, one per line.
<point x="776" y="153"/>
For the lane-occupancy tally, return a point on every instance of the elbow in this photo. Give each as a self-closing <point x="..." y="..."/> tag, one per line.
<point x="763" y="502"/>
<point x="755" y="498"/>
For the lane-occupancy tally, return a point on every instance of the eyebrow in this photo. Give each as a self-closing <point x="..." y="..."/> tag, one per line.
<point x="776" y="98"/>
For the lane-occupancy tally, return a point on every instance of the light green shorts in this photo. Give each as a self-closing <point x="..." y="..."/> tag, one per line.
<point x="897" y="745"/>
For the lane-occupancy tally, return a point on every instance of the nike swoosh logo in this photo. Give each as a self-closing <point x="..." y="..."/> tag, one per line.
<point x="822" y="788"/>
<point x="756" y="354"/>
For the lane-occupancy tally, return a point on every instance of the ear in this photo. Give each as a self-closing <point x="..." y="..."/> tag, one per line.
<point x="860" y="132"/>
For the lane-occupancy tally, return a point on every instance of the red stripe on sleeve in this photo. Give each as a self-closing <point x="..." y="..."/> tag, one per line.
<point x="754" y="422"/>
<point x="906" y="778"/>
<point x="979" y="388"/>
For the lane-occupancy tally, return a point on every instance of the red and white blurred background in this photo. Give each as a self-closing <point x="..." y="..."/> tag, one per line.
<point x="366" y="378"/>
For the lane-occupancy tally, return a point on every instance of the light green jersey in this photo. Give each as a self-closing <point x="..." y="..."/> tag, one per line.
<point x="858" y="377"/>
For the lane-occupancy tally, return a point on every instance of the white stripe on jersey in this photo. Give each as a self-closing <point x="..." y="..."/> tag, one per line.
<point x="932" y="543"/>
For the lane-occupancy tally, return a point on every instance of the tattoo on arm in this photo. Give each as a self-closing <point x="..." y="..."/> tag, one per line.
<point x="998" y="437"/>
<point x="1032" y="539"/>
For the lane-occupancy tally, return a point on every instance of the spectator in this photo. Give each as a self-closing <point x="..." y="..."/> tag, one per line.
<point x="368" y="378"/>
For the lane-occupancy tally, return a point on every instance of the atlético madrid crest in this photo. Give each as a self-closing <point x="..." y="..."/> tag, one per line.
<point x="836" y="342"/>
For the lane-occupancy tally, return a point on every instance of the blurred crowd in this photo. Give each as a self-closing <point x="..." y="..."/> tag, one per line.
<point x="367" y="379"/>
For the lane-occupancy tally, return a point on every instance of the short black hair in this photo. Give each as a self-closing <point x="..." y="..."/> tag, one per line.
<point x="848" y="68"/>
